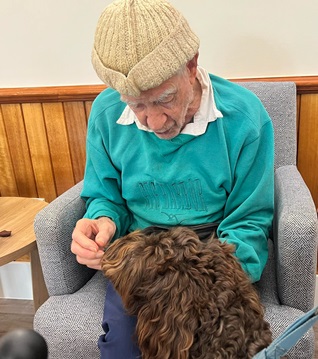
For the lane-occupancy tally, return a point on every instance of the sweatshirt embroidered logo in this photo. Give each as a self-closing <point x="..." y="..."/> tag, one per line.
<point x="183" y="195"/>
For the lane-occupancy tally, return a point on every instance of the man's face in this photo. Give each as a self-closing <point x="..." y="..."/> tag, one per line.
<point x="165" y="109"/>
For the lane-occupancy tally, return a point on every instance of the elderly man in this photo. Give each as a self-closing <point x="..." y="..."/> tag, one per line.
<point x="169" y="144"/>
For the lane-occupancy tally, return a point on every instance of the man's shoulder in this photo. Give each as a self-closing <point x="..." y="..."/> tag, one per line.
<point x="108" y="101"/>
<point x="107" y="98"/>
<point x="243" y="112"/>
<point x="231" y="91"/>
<point x="235" y="101"/>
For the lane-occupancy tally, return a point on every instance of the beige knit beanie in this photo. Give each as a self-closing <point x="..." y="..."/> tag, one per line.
<point x="141" y="43"/>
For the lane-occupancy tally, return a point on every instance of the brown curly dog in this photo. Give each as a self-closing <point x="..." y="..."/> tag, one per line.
<point x="191" y="298"/>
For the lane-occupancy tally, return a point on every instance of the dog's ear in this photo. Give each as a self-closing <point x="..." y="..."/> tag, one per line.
<point x="168" y="320"/>
<point x="116" y="257"/>
<point x="122" y="264"/>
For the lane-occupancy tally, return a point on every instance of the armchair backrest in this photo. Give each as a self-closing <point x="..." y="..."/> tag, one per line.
<point x="279" y="99"/>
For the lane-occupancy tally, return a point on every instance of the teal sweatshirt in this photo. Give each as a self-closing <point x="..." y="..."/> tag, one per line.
<point x="224" y="175"/>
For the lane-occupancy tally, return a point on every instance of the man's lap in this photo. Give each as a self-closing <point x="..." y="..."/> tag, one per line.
<point x="119" y="339"/>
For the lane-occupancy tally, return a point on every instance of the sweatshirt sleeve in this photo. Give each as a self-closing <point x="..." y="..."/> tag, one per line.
<point x="102" y="183"/>
<point x="248" y="212"/>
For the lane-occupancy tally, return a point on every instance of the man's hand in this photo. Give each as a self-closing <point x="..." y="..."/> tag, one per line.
<point x="90" y="237"/>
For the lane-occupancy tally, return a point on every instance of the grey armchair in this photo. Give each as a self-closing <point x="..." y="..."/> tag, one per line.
<point x="70" y="320"/>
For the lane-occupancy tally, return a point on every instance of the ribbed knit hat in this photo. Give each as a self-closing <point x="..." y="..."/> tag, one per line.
<point x="141" y="43"/>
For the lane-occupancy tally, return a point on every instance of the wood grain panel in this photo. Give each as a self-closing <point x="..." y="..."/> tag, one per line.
<point x="308" y="143"/>
<point x="19" y="150"/>
<point x="50" y="94"/>
<point x="75" y="118"/>
<point x="39" y="150"/>
<point x="88" y="107"/>
<point x="298" y="113"/>
<point x="8" y="186"/>
<point x="59" y="146"/>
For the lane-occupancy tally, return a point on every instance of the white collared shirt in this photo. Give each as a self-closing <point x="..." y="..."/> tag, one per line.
<point x="206" y="113"/>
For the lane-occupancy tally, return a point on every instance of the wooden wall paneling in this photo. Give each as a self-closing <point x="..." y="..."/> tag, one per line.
<point x="75" y="118"/>
<point x="59" y="148"/>
<point x="39" y="150"/>
<point x="298" y="115"/>
<point x="297" y="121"/>
<point x="50" y="93"/>
<point x="19" y="150"/>
<point x="308" y="143"/>
<point x="88" y="107"/>
<point x="8" y="186"/>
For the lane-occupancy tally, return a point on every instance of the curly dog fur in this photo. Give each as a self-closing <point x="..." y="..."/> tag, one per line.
<point x="191" y="298"/>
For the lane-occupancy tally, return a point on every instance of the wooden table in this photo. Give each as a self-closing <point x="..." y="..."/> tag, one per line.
<point x="17" y="215"/>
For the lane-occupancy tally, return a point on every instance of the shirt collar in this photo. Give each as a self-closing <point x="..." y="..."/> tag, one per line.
<point x="206" y="113"/>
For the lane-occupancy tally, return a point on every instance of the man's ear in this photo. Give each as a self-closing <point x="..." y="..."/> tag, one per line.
<point x="192" y="67"/>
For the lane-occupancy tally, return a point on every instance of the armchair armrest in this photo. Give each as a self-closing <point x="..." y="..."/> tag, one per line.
<point x="295" y="239"/>
<point x="53" y="228"/>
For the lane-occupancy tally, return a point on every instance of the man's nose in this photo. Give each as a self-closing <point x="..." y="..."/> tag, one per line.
<point x="154" y="118"/>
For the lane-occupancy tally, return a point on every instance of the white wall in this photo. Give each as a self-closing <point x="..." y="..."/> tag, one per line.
<point x="15" y="281"/>
<point x="48" y="42"/>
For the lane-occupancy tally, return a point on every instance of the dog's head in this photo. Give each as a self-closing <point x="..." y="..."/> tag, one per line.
<point x="137" y="264"/>
<point x="181" y="290"/>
